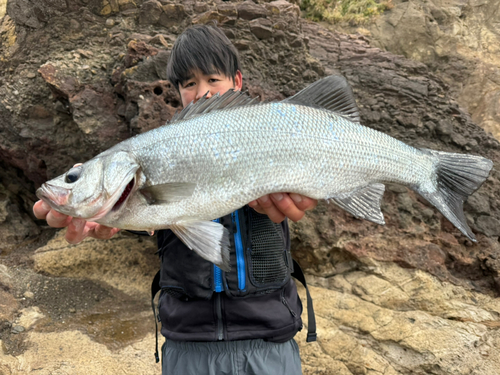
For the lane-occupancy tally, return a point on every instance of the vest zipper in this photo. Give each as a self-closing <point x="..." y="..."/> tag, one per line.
<point x="217" y="279"/>
<point x="240" y="255"/>
<point x="217" y="273"/>
<point x="220" y="324"/>
<point x="218" y="288"/>
<point x="285" y="302"/>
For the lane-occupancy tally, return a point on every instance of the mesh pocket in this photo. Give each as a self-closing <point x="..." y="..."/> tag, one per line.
<point x="176" y="293"/>
<point x="268" y="251"/>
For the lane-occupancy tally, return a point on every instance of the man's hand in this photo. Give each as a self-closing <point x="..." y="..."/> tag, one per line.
<point x="78" y="229"/>
<point x="280" y="205"/>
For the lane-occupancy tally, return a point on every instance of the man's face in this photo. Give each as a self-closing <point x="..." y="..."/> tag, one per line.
<point x="198" y="84"/>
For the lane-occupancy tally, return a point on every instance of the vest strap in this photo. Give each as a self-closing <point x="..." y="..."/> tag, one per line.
<point x="155" y="288"/>
<point x="311" y="318"/>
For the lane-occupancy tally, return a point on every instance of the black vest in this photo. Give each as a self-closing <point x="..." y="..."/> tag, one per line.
<point x="256" y="299"/>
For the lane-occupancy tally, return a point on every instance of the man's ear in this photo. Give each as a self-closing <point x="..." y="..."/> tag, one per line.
<point x="238" y="81"/>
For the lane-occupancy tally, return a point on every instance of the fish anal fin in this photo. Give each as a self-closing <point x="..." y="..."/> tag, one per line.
<point x="208" y="239"/>
<point x="332" y="93"/>
<point x="169" y="192"/>
<point x="364" y="203"/>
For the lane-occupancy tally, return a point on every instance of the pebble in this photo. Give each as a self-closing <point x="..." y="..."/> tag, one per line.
<point x="29" y="294"/>
<point x="17" y="329"/>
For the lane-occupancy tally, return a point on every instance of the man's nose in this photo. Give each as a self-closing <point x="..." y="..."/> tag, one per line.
<point x="202" y="90"/>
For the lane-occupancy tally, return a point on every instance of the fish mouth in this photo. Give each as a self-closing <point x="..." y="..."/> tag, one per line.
<point x="125" y="194"/>
<point x="55" y="196"/>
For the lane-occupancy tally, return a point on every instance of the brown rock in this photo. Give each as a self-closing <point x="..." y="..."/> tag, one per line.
<point x="8" y="306"/>
<point x="478" y="203"/>
<point x="261" y="28"/>
<point x="200" y="7"/>
<point x="125" y="262"/>
<point x="227" y="9"/>
<point x="407" y="308"/>
<point x="160" y="40"/>
<point x="283" y="7"/>
<point x="94" y="113"/>
<point x="62" y="86"/>
<point x="488" y="225"/>
<point x="156" y="103"/>
<point x="16" y="226"/>
<point x="23" y="12"/>
<point x="208" y="17"/>
<point x="73" y="351"/>
<point x="150" y="12"/>
<point x="248" y="10"/>
<point x="138" y="51"/>
<point x="172" y="14"/>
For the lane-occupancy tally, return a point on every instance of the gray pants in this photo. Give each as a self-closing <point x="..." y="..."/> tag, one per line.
<point x="245" y="357"/>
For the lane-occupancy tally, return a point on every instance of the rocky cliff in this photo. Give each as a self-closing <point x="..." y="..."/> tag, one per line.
<point x="411" y="297"/>
<point x="458" y="39"/>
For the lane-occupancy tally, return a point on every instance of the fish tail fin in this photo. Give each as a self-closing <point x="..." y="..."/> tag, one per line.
<point x="457" y="177"/>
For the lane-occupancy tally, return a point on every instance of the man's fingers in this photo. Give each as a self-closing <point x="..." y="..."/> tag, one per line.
<point x="77" y="231"/>
<point x="80" y="229"/>
<point x="303" y="203"/>
<point x="255" y="205"/>
<point x="270" y="209"/>
<point x="103" y="233"/>
<point x="286" y="206"/>
<point x="57" y="220"/>
<point x="41" y="209"/>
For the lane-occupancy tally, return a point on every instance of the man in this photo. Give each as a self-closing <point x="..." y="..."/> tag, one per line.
<point x="214" y="322"/>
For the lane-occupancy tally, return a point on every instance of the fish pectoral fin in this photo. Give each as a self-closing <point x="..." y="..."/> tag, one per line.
<point x="208" y="239"/>
<point x="332" y="93"/>
<point x="364" y="203"/>
<point x="169" y="192"/>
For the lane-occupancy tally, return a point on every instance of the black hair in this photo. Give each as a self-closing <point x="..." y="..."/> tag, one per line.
<point x="205" y="48"/>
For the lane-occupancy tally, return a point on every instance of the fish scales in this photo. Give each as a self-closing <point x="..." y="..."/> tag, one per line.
<point x="209" y="162"/>
<point x="237" y="155"/>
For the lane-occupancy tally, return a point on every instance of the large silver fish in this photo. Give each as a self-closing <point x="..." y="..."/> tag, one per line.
<point x="223" y="152"/>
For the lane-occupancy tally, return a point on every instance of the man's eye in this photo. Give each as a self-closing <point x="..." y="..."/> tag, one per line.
<point x="190" y="84"/>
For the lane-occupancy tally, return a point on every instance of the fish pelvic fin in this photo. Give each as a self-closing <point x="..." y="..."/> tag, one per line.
<point x="208" y="239"/>
<point x="456" y="177"/>
<point x="364" y="203"/>
<point x="332" y="93"/>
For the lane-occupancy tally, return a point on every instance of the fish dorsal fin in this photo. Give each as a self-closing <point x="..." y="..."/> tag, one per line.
<point x="229" y="99"/>
<point x="332" y="93"/>
<point x="364" y="203"/>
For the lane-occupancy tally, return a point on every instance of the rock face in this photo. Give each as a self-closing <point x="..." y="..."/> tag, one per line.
<point x="385" y="319"/>
<point x="411" y="297"/>
<point x="457" y="39"/>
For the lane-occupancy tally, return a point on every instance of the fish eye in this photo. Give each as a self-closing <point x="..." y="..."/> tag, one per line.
<point x="73" y="175"/>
